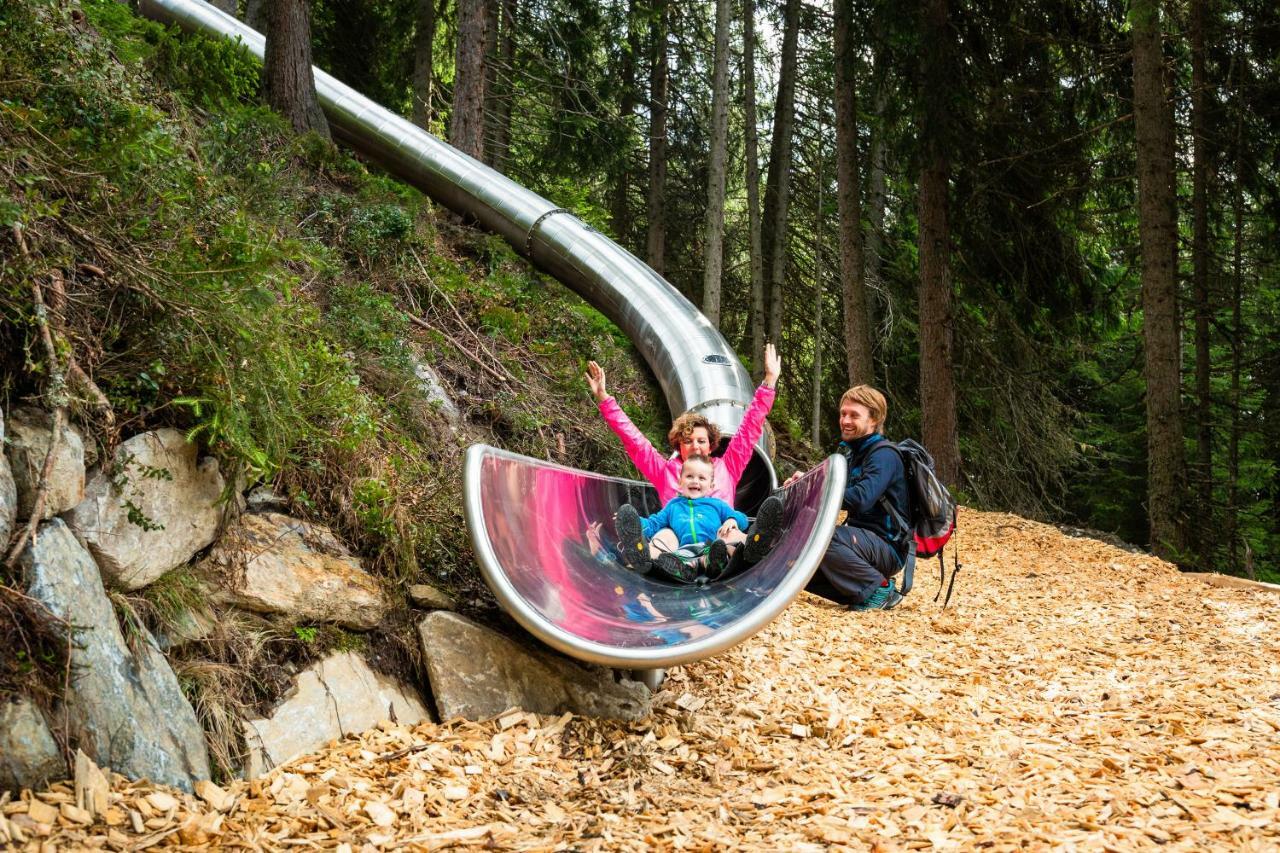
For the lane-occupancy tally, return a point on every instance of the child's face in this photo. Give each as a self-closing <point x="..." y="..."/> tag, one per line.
<point x="695" y="479"/>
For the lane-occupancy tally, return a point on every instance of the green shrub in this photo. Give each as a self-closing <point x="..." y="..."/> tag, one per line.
<point x="369" y="321"/>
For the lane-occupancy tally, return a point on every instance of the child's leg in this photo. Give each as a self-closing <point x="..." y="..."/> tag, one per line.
<point x="733" y="538"/>
<point x="663" y="541"/>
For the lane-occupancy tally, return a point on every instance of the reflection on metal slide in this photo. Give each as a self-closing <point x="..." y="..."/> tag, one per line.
<point x="528" y="520"/>
<point x="693" y="363"/>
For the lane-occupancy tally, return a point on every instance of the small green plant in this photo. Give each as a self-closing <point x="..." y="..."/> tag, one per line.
<point x="370" y="322"/>
<point x="150" y="472"/>
<point x="138" y="518"/>
<point x="374" y="505"/>
<point x="215" y="72"/>
<point x="306" y="633"/>
<point x="372" y="231"/>
<point x="507" y="322"/>
<point x="340" y="640"/>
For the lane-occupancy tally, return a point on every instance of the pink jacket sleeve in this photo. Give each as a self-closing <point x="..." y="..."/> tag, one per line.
<point x="742" y="445"/>
<point x="649" y="461"/>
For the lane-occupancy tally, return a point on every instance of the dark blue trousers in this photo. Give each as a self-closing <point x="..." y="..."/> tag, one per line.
<point x="857" y="562"/>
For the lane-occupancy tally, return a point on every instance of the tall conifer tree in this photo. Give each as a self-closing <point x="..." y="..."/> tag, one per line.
<point x="714" y="242"/>
<point x="288" y="82"/>
<point x="1158" y="233"/>
<point x="937" y="368"/>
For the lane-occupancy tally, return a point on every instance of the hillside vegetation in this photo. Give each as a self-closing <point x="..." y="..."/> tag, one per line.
<point x="272" y="297"/>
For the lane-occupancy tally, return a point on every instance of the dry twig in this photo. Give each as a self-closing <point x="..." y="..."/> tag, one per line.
<point x="466" y="326"/>
<point x="57" y="394"/>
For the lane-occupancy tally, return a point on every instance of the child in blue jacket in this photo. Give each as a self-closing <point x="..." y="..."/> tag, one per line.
<point x="694" y="534"/>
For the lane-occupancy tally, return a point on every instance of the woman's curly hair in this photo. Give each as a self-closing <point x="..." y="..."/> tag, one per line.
<point x="685" y="425"/>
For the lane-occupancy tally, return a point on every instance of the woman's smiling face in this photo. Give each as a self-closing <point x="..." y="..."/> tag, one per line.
<point x="696" y="443"/>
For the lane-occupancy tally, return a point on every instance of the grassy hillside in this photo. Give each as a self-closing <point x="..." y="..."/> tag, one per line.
<point x="270" y="295"/>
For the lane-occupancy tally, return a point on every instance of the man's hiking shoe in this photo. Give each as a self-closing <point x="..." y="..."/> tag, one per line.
<point x="633" y="550"/>
<point x="671" y="567"/>
<point x="884" y="598"/>
<point x="763" y="531"/>
<point x="717" y="560"/>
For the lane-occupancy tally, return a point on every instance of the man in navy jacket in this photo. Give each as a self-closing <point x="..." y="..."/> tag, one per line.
<point x="869" y="548"/>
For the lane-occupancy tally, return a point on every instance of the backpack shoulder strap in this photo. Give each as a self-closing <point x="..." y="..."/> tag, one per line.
<point x="884" y="442"/>
<point x="883" y="502"/>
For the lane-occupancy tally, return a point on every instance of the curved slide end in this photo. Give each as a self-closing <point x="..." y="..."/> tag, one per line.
<point x="528" y="520"/>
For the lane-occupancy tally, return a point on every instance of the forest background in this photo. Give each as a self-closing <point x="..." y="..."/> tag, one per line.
<point x="1046" y="230"/>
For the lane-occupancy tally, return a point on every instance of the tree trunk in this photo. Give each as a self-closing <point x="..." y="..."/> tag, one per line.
<point x="714" y="242"/>
<point x="937" y="369"/>
<point x="1237" y="346"/>
<point x="228" y="6"/>
<point x="255" y="14"/>
<point x="752" y="144"/>
<point x="876" y="201"/>
<point x="657" y="239"/>
<point x="424" y="63"/>
<point x="1206" y="526"/>
<point x="620" y="199"/>
<point x="857" y="331"/>
<point x="777" y="192"/>
<point x="504" y="66"/>
<point x="289" y="85"/>
<point x="466" y="124"/>
<point x="490" y="78"/>
<point x="815" y="424"/>
<point x="1158" y="234"/>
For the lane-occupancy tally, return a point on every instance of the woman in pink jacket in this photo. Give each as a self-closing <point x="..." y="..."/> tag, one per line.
<point x="691" y="434"/>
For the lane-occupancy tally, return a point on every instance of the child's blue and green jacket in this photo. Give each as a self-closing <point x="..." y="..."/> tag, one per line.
<point x="693" y="519"/>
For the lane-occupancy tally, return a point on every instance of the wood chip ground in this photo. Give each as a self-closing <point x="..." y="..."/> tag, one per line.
<point x="1074" y="696"/>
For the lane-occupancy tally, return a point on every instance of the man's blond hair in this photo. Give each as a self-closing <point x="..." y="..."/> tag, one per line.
<point x="867" y="396"/>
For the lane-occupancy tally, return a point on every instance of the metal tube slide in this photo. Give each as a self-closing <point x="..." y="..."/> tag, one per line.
<point x="528" y="520"/>
<point x="693" y="363"/>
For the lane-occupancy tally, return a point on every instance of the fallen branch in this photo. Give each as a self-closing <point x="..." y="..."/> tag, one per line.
<point x="418" y="321"/>
<point x="57" y="394"/>
<point x="458" y="314"/>
<point x="81" y="380"/>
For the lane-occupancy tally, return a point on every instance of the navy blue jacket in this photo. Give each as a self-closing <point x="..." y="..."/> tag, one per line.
<point x="873" y="473"/>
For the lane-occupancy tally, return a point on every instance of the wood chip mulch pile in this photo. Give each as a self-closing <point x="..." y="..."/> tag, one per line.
<point x="1073" y="695"/>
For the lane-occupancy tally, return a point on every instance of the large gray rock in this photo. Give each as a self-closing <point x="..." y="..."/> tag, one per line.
<point x="29" y="756"/>
<point x="27" y="444"/>
<point x="159" y="506"/>
<point x="8" y="492"/>
<point x="125" y="708"/>
<point x="338" y="696"/>
<point x="477" y="673"/>
<point x="271" y="563"/>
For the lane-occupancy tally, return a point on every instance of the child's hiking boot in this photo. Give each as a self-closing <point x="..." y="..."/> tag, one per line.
<point x="673" y="568"/>
<point x="884" y="598"/>
<point x="763" y="531"/>
<point x="633" y="548"/>
<point x="717" y="560"/>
